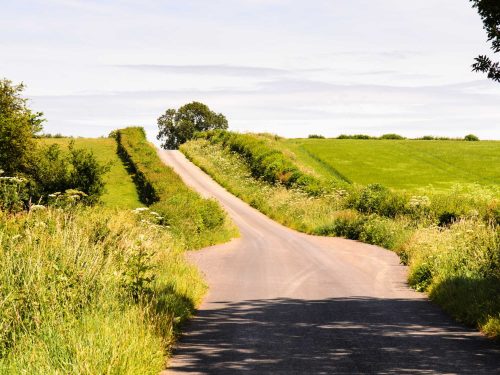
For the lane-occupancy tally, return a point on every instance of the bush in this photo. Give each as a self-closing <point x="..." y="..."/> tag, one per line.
<point x="48" y="169"/>
<point x="391" y="136"/>
<point x="355" y="136"/>
<point x="471" y="138"/>
<point x="348" y="224"/>
<point x="377" y="199"/>
<point x="373" y="229"/>
<point x="55" y="170"/>
<point x="315" y="136"/>
<point x="384" y="232"/>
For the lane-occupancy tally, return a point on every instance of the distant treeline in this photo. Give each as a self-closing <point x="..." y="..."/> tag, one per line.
<point x="49" y="135"/>
<point x="469" y="137"/>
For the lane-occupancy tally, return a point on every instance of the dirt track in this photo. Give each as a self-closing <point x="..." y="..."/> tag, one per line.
<point x="282" y="302"/>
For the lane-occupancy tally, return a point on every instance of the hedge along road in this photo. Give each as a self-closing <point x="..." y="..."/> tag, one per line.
<point x="282" y="302"/>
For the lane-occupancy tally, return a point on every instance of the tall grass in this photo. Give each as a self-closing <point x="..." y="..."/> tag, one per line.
<point x="95" y="290"/>
<point x="197" y="221"/>
<point x="90" y="291"/>
<point x="395" y="220"/>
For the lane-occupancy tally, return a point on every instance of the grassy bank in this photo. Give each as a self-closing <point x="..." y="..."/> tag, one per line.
<point x="431" y="233"/>
<point x="90" y="291"/>
<point x="198" y="222"/>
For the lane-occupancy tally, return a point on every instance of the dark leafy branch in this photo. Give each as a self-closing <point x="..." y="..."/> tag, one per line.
<point x="489" y="10"/>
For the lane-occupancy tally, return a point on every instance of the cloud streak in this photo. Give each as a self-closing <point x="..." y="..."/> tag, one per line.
<point x="209" y="70"/>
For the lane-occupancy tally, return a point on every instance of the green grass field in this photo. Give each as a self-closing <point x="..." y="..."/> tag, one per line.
<point x="406" y="164"/>
<point x="120" y="189"/>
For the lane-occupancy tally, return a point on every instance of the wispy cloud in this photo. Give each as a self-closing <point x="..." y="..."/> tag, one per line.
<point x="217" y="69"/>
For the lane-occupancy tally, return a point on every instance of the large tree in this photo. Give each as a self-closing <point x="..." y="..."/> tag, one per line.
<point x="178" y="126"/>
<point x="18" y="126"/>
<point x="489" y="10"/>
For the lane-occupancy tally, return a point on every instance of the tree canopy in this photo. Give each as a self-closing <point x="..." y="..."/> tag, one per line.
<point x="18" y="126"/>
<point x="489" y="10"/>
<point x="45" y="168"/>
<point x="178" y="126"/>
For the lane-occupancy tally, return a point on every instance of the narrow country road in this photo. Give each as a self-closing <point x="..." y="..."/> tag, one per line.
<point x="282" y="302"/>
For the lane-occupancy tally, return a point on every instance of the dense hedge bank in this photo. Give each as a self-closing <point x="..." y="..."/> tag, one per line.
<point x="265" y="162"/>
<point x="200" y="222"/>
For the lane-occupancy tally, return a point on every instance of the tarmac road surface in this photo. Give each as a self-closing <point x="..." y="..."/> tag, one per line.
<point x="282" y="302"/>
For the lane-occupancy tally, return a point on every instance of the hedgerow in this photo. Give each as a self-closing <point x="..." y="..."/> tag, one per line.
<point x="265" y="162"/>
<point x="199" y="222"/>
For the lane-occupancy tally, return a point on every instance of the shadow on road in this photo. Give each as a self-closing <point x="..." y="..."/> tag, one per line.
<point x="334" y="336"/>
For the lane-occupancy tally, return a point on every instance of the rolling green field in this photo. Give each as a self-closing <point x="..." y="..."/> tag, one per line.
<point x="401" y="164"/>
<point x="120" y="189"/>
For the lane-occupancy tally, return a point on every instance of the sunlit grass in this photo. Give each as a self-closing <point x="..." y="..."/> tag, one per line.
<point x="65" y="289"/>
<point x="120" y="189"/>
<point x="402" y="164"/>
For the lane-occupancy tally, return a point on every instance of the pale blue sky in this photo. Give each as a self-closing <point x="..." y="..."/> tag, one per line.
<point x="283" y="66"/>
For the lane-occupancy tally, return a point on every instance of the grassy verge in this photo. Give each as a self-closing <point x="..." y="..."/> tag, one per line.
<point x="102" y="290"/>
<point x="90" y="291"/>
<point x="198" y="222"/>
<point x="458" y="269"/>
<point x="120" y="189"/>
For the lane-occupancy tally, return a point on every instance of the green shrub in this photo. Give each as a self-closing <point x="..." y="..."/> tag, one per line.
<point x="377" y="199"/>
<point x="471" y="138"/>
<point x="391" y="136"/>
<point x="384" y="232"/>
<point x="355" y="136"/>
<point x="348" y="224"/>
<point x="421" y="277"/>
<point x="316" y="136"/>
<point x="373" y="229"/>
<point x="471" y="300"/>
<point x="55" y="170"/>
